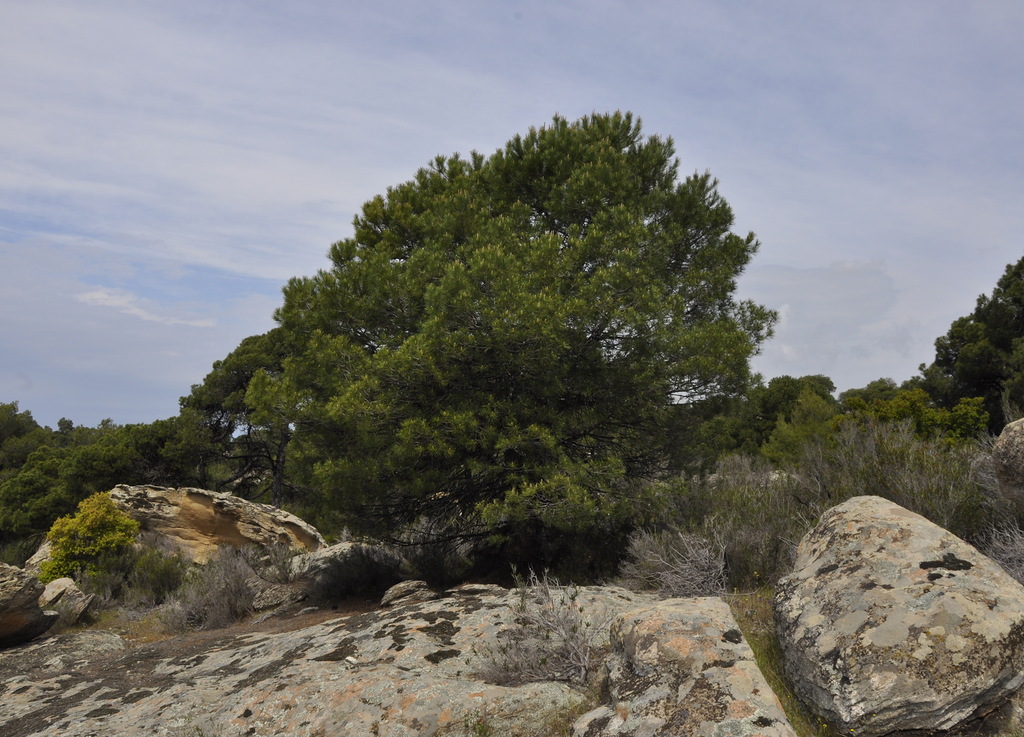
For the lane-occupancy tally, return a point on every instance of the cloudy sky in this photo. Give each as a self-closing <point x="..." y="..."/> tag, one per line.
<point x="168" y="165"/>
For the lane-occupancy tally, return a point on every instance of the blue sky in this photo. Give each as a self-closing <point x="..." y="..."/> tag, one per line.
<point x="169" y="165"/>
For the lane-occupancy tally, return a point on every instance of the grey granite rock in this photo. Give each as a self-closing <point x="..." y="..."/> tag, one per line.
<point x="1008" y="461"/>
<point x="890" y="623"/>
<point x="682" y="666"/>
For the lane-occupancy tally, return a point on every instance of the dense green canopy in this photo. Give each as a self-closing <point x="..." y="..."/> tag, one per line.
<point x="505" y="338"/>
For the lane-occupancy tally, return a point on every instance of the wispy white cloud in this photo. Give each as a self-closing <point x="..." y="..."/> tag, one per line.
<point x="131" y="304"/>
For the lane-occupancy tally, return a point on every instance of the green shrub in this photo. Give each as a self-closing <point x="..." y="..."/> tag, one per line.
<point x="96" y="529"/>
<point x="751" y="508"/>
<point x="154" y="577"/>
<point x="106" y="575"/>
<point x="929" y="476"/>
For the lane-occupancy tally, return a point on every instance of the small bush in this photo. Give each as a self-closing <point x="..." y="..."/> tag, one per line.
<point x="274" y="564"/>
<point x="106" y="575"/>
<point x="674" y="564"/>
<point x="97" y="528"/>
<point x="550" y="640"/>
<point x="214" y="595"/>
<point x="752" y="509"/>
<point x="154" y="577"/>
<point x="1005" y="545"/>
<point x="931" y="477"/>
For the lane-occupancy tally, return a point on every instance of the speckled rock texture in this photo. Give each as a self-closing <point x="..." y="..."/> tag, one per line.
<point x="196" y="521"/>
<point x="21" y="617"/>
<point x="890" y="623"/>
<point x="682" y="667"/>
<point x="398" y="672"/>
<point x="1008" y="459"/>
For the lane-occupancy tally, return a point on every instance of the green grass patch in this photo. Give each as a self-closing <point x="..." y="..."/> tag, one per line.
<point x="753" y="613"/>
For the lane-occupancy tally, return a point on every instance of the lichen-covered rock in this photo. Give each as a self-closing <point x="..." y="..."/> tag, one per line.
<point x="63" y="596"/>
<point x="682" y="667"/>
<point x="21" y="617"/>
<point x="398" y="672"/>
<point x="328" y="560"/>
<point x="1008" y="460"/>
<point x="890" y="623"/>
<point x="56" y="655"/>
<point x="196" y="521"/>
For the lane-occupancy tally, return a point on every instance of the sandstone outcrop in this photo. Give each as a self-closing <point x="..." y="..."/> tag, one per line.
<point x="21" y="617"/>
<point x="890" y="623"/>
<point x="411" y="669"/>
<point x="1008" y="460"/>
<point x="196" y="521"/>
<point x="682" y="667"/>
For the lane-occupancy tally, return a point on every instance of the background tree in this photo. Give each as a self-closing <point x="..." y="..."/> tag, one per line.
<point x="506" y="339"/>
<point x="20" y="434"/>
<point x="245" y="451"/>
<point x="810" y="423"/>
<point x="982" y="355"/>
<point x="747" y="422"/>
<point x="55" y="477"/>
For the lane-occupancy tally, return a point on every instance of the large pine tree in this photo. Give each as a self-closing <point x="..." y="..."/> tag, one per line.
<point x="505" y="338"/>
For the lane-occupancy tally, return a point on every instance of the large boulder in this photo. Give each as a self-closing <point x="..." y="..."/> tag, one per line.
<point x="890" y="623"/>
<point x="408" y="592"/>
<point x="64" y="596"/>
<point x="196" y="521"/>
<point x="1008" y="460"/>
<point x="682" y="666"/>
<point x="21" y="617"/>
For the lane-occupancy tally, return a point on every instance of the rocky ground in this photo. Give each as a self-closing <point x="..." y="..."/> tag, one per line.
<point x="887" y="623"/>
<point x="410" y="669"/>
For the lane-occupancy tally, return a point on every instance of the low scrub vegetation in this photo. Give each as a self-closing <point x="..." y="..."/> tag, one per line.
<point x="674" y="563"/>
<point x="213" y="595"/>
<point x="741" y="523"/>
<point x="551" y="638"/>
